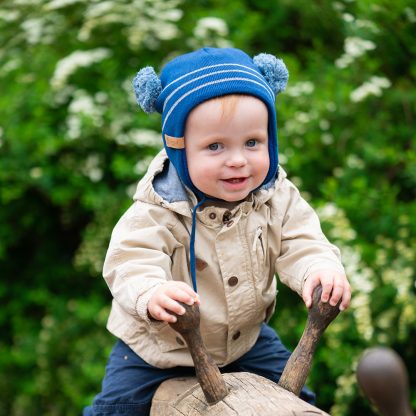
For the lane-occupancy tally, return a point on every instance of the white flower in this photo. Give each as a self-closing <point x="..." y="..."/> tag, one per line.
<point x="327" y="139"/>
<point x="354" y="47"/>
<point x="9" y="15"/>
<point x="145" y="137"/>
<point x="331" y="106"/>
<point x="10" y="66"/>
<point x="73" y="124"/>
<point x="99" y="9"/>
<point x="33" y="29"/>
<point x="374" y="86"/>
<point x="367" y="24"/>
<point x="91" y="168"/>
<point x="410" y="14"/>
<point x="300" y="88"/>
<point x="59" y="4"/>
<point x="344" y="61"/>
<point x="36" y="172"/>
<point x="282" y="158"/>
<point x="302" y="117"/>
<point x="212" y="31"/>
<point x="205" y="26"/>
<point x="68" y="65"/>
<point x="328" y="211"/>
<point x="353" y="161"/>
<point x="347" y="17"/>
<point x="324" y="124"/>
<point x="145" y="21"/>
<point x="31" y="3"/>
<point x="83" y="104"/>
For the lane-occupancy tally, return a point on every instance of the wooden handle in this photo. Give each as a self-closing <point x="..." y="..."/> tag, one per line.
<point x="296" y="371"/>
<point x="383" y="378"/>
<point x="207" y="372"/>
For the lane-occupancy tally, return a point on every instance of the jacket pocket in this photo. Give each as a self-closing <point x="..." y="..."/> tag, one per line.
<point x="168" y="339"/>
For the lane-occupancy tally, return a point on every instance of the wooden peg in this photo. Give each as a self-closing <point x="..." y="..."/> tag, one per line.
<point x="207" y="372"/>
<point x="297" y="368"/>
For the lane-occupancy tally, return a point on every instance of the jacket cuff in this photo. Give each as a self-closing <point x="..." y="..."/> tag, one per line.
<point x="141" y="306"/>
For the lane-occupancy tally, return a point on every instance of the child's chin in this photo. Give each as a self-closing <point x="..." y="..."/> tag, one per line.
<point x="235" y="198"/>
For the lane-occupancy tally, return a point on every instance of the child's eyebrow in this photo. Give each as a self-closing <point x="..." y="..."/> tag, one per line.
<point x="258" y="133"/>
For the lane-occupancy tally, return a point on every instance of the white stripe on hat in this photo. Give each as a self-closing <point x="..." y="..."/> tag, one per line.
<point x="215" y="73"/>
<point x="204" y="86"/>
<point x="209" y="67"/>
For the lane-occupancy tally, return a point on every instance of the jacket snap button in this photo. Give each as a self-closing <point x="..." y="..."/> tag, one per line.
<point x="233" y="280"/>
<point x="213" y="215"/>
<point x="230" y="223"/>
<point x="179" y="341"/>
<point x="226" y="217"/>
<point x="236" y="335"/>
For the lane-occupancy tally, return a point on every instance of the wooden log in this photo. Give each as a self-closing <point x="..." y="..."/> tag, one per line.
<point x="249" y="395"/>
<point x="241" y="393"/>
<point x="168" y="392"/>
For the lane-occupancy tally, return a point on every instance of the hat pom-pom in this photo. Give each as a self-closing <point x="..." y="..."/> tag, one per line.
<point x="147" y="87"/>
<point x="274" y="71"/>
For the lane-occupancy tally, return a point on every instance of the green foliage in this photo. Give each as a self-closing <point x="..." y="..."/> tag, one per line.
<point x="73" y="144"/>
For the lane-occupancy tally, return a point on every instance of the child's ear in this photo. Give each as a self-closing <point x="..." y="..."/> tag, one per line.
<point x="147" y="87"/>
<point x="274" y="71"/>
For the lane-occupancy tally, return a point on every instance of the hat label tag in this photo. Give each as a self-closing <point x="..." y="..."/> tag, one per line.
<point x="175" y="142"/>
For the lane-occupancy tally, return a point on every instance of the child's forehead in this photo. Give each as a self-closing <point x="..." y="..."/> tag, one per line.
<point x="228" y="104"/>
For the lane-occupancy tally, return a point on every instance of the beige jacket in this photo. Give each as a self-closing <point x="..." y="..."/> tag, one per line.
<point x="238" y="253"/>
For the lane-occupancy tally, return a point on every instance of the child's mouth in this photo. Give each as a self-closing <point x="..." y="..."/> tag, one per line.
<point x="235" y="180"/>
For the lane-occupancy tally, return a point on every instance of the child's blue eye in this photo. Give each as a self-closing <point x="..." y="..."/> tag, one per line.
<point x="214" y="146"/>
<point x="251" y="143"/>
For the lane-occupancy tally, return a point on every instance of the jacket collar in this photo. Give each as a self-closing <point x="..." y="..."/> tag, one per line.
<point x="161" y="186"/>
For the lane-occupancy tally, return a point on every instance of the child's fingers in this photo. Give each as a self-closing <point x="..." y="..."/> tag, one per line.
<point x="310" y="284"/>
<point x="171" y="305"/>
<point x="161" y="314"/>
<point x="346" y="298"/>
<point x="190" y="291"/>
<point x="327" y="284"/>
<point x="335" y="287"/>
<point x="183" y="293"/>
<point x="337" y="292"/>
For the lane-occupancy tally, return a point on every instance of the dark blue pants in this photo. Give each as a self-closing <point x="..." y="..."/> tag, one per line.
<point x="130" y="383"/>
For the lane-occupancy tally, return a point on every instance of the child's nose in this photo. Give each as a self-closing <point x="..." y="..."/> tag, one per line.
<point x="236" y="159"/>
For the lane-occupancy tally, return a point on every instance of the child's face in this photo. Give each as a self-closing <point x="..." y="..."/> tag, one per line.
<point x="227" y="151"/>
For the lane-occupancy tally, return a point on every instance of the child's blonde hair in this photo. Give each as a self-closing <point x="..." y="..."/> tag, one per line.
<point x="229" y="103"/>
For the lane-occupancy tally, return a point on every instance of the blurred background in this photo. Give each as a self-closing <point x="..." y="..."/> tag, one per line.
<point x="73" y="145"/>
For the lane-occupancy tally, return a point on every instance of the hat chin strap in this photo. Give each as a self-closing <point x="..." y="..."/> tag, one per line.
<point x="192" y="242"/>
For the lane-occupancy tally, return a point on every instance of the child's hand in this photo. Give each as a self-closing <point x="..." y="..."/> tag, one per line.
<point x="164" y="300"/>
<point x="335" y="286"/>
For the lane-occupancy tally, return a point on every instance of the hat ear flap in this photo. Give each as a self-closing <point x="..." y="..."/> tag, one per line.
<point x="147" y="87"/>
<point x="274" y="71"/>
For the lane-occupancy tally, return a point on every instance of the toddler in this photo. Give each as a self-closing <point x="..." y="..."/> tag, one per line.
<point x="212" y="221"/>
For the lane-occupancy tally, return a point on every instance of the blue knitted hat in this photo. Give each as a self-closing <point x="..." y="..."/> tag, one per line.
<point x="195" y="77"/>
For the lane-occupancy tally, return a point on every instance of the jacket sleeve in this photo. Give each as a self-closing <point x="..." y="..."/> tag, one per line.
<point x="304" y="247"/>
<point x="138" y="259"/>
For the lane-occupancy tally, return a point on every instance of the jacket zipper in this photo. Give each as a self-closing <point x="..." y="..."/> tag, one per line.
<point x="257" y="236"/>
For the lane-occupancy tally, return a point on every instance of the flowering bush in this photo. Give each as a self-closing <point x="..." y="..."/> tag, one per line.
<point x="73" y="145"/>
